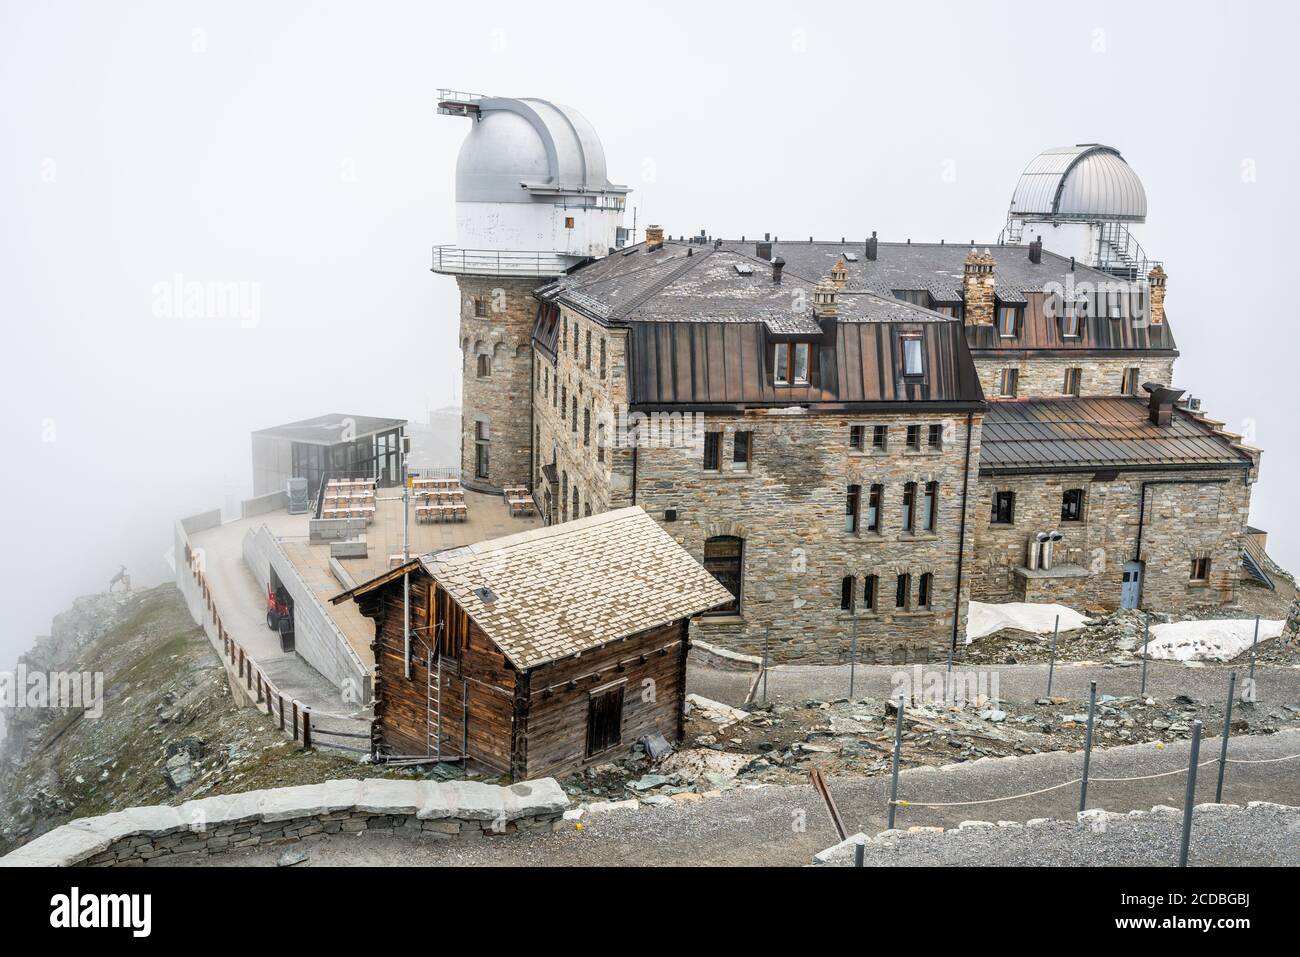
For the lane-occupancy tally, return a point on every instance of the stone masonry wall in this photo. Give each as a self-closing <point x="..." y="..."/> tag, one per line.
<point x="789" y="508"/>
<point x="1203" y="514"/>
<point x="580" y="462"/>
<point x="1045" y="377"/>
<point x="454" y="810"/>
<point x="502" y="397"/>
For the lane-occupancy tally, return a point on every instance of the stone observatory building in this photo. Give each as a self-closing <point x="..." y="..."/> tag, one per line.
<point x="856" y="437"/>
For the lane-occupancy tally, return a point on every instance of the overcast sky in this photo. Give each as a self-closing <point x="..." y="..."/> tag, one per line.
<point x="293" y="148"/>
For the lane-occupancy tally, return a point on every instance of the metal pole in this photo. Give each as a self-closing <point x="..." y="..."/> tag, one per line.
<point x="1189" y="802"/>
<point x="860" y="851"/>
<point x="406" y="577"/>
<point x="766" y="632"/>
<point x="1146" y="630"/>
<point x="1051" y="666"/>
<point x="1253" y="643"/>
<point x="893" y="779"/>
<point x="1223" y="745"/>
<point x="853" y="657"/>
<point x="1087" y="746"/>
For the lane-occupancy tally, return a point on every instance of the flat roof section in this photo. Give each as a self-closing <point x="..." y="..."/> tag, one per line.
<point x="331" y="429"/>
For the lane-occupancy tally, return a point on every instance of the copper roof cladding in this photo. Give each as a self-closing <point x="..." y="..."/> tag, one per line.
<point x="703" y="320"/>
<point x="1097" y="433"/>
<point x="569" y="588"/>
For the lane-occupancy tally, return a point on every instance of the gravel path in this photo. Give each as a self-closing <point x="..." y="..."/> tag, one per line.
<point x="788" y="825"/>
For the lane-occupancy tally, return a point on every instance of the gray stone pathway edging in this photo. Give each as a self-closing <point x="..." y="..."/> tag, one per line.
<point x="1094" y="820"/>
<point x="464" y="810"/>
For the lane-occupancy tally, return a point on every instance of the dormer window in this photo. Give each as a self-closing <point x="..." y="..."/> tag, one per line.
<point x="950" y="309"/>
<point x="1070" y="314"/>
<point x="792" y="360"/>
<point x="912" y="364"/>
<point x="1008" y="321"/>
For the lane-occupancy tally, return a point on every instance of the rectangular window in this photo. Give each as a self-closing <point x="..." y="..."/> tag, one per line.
<point x="587" y="361"/>
<point x="484" y="366"/>
<point x="782" y="364"/>
<point x="568" y="222"/>
<point x="1129" y="385"/>
<point x="586" y="426"/>
<point x="1070" y="319"/>
<point x="742" y="451"/>
<point x="1004" y="508"/>
<point x="1073" y="377"/>
<point x="936" y="436"/>
<point x="902" y="590"/>
<point x="869" y="593"/>
<point x="1008" y="321"/>
<point x="712" y="450"/>
<point x="575" y="414"/>
<point x="925" y="590"/>
<point x="481" y="450"/>
<point x="874" y="500"/>
<point x="852" y="506"/>
<point x="801" y="350"/>
<point x="1200" y="569"/>
<point x="951" y="310"/>
<point x="602" y="358"/>
<point x="909" y="506"/>
<point x="857" y="437"/>
<point x="604" y="719"/>
<point x="847" y="588"/>
<point x="879" y="437"/>
<point x="914" y="437"/>
<point x="480" y="308"/>
<point x="1009" y="383"/>
<point x="912" y="364"/>
<point x="1072" y="505"/>
<point x="928" y="502"/>
<point x="724" y="560"/>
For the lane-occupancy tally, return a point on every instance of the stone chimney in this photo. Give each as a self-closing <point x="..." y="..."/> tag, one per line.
<point x="825" y="304"/>
<point x="654" y="236"/>
<point x="1156" y="277"/>
<point x="840" y="274"/>
<point x="978" y="283"/>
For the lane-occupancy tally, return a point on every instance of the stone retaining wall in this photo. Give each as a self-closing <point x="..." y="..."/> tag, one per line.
<point x="452" y="810"/>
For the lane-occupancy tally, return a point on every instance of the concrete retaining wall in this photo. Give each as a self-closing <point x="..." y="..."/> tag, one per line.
<point x="316" y="637"/>
<point x="271" y="502"/>
<point x="453" y="810"/>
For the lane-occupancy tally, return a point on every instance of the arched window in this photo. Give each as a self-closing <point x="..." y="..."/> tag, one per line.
<point x="724" y="557"/>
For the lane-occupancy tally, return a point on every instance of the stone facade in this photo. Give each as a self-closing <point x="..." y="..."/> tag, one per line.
<point x="1045" y="377"/>
<point x="979" y="288"/>
<point x="788" y="507"/>
<point x="496" y="329"/>
<point x="1188" y="515"/>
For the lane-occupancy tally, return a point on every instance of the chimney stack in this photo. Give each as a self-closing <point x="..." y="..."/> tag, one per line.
<point x="872" y="247"/>
<point x="777" y="265"/>
<point x="763" y="250"/>
<point x="1160" y="407"/>
<point x="840" y="274"/>
<point x="1036" y="250"/>
<point x="824" y="299"/>
<point x="978" y="282"/>
<point x="654" y="237"/>
<point x="1156" y="277"/>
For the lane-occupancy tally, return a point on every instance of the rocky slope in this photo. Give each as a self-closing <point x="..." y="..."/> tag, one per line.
<point x="169" y="730"/>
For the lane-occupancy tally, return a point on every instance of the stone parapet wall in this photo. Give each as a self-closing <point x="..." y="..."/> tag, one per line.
<point x="453" y="810"/>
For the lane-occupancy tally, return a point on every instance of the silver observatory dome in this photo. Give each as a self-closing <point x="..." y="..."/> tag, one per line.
<point x="1084" y="183"/>
<point x="520" y="149"/>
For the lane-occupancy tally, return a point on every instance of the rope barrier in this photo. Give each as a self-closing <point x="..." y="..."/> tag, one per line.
<point x="1091" y="780"/>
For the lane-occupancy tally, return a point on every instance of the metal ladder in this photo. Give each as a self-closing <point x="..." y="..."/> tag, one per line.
<point x="432" y="701"/>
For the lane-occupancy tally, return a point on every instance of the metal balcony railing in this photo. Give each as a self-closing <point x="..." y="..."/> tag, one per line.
<point x="456" y="261"/>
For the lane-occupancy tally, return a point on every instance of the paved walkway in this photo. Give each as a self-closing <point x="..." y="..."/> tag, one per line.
<point x="788" y="825"/>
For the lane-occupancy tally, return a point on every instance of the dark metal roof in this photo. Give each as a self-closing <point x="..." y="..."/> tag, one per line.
<point x="1096" y="433"/>
<point x="677" y="363"/>
<point x="331" y="429"/>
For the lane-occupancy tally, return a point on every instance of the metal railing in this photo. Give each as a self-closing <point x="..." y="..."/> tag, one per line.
<point x="454" y="260"/>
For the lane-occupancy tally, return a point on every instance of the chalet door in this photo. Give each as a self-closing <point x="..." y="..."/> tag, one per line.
<point x="1130" y="593"/>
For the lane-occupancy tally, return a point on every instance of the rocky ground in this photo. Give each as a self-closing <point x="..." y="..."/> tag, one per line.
<point x="169" y="730"/>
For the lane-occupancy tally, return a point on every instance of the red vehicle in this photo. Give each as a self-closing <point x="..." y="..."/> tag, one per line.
<point x="279" y="612"/>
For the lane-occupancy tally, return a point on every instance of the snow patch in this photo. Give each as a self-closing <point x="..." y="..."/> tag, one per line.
<point x="1216" y="639"/>
<point x="985" y="618"/>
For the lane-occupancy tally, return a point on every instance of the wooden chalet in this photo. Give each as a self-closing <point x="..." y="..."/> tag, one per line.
<point x="538" y="653"/>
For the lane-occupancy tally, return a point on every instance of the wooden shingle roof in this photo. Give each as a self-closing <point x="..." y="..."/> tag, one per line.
<point x="553" y="592"/>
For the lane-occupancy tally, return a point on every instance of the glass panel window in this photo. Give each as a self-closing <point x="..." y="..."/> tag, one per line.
<point x="1009" y="384"/>
<point x="928" y="501"/>
<point x="782" y="363"/>
<point x="847" y="589"/>
<point x="873" y="507"/>
<point x="1073" y="378"/>
<point x="742" y="450"/>
<point x="1200" y="569"/>
<point x="909" y="505"/>
<point x="912" y="364"/>
<point x="1072" y="505"/>
<point x="712" y="450"/>
<point x="879" y="437"/>
<point x="852" y="506"/>
<point x="925" y="590"/>
<point x="869" y="593"/>
<point x="857" y="437"/>
<point x="914" y="437"/>
<point x="902" y="590"/>
<point x="1004" y="508"/>
<point x="801" y="350"/>
<point x="724" y="560"/>
<point x="936" y="436"/>
<point x="1008" y="321"/>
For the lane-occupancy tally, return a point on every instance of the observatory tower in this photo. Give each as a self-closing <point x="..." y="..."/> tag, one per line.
<point x="532" y="202"/>
<point x="1084" y="201"/>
